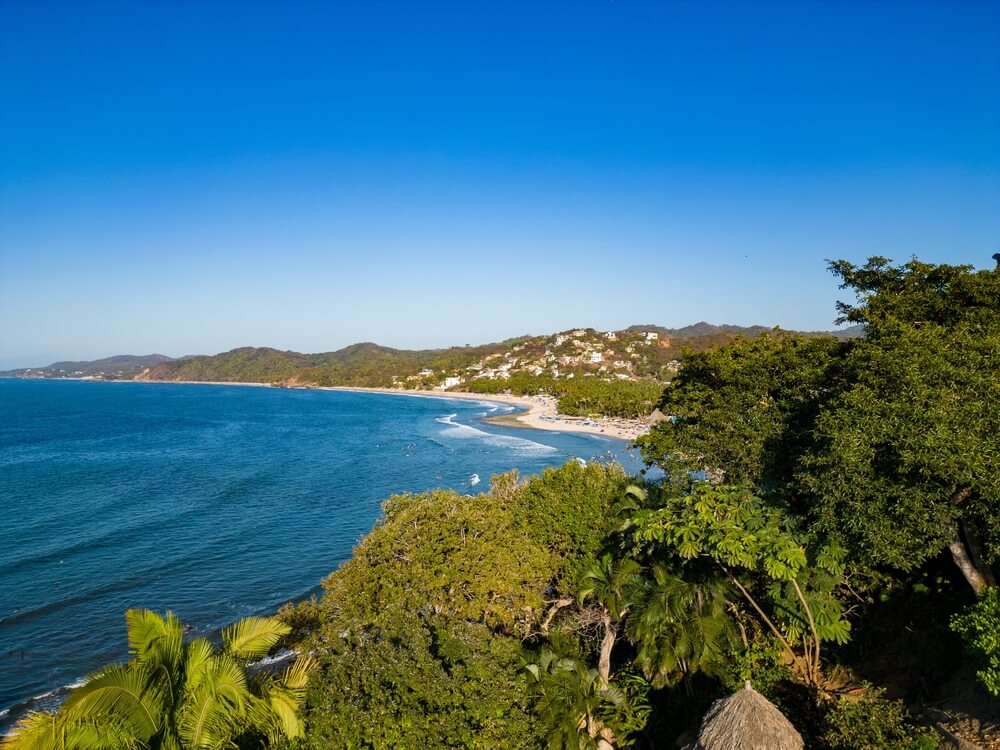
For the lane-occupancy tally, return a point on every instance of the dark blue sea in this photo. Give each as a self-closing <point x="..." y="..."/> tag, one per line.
<point x="213" y="501"/>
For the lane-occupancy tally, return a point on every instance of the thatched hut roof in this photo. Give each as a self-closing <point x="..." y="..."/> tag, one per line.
<point x="746" y="720"/>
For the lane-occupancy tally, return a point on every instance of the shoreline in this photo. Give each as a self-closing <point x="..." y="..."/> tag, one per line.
<point x="539" y="412"/>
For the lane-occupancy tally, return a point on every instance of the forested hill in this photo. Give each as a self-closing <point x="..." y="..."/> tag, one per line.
<point x="636" y="352"/>
<point x="364" y="364"/>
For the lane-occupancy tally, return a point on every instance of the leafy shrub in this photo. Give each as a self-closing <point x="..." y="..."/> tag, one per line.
<point x="419" y="635"/>
<point x="979" y="627"/>
<point x="873" y="723"/>
<point x="762" y="662"/>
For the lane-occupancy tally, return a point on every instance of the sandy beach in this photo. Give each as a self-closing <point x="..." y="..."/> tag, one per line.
<point x="540" y="412"/>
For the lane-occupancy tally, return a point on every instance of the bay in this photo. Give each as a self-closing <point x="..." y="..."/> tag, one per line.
<point x="213" y="501"/>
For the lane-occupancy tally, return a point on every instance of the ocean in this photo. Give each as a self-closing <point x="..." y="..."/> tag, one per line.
<point x="213" y="501"/>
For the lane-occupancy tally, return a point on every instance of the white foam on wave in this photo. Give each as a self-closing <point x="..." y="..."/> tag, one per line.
<point x="64" y="688"/>
<point x="284" y="655"/>
<point x="515" y="444"/>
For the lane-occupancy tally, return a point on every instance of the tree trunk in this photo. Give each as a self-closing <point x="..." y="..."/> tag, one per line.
<point x="607" y="643"/>
<point x="963" y="550"/>
<point x="964" y="562"/>
<point x="975" y="546"/>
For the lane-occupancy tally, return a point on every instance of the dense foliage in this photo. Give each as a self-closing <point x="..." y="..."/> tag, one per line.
<point x="890" y="442"/>
<point x="746" y="409"/>
<point x="419" y="635"/>
<point x="979" y="627"/>
<point x="572" y="612"/>
<point x="174" y="695"/>
<point x="872" y="723"/>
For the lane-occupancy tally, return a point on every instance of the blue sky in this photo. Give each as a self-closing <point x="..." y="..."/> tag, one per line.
<point x="190" y="177"/>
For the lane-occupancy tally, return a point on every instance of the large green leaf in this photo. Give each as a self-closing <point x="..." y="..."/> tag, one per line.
<point x="123" y="694"/>
<point x="153" y="638"/>
<point x="253" y="637"/>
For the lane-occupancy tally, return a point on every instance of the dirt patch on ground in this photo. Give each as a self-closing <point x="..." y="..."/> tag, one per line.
<point x="965" y="709"/>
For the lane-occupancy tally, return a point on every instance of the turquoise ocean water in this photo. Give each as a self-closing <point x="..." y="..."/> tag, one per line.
<point x="216" y="502"/>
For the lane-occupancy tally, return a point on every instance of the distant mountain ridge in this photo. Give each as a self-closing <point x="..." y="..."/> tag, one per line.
<point x="640" y="351"/>
<point x="702" y="328"/>
<point x="120" y="364"/>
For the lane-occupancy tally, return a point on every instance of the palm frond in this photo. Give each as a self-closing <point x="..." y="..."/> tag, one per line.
<point x="122" y="694"/>
<point x="297" y="674"/>
<point x="39" y="730"/>
<point x="59" y="731"/>
<point x="283" y="706"/>
<point x="253" y="637"/>
<point x="152" y="638"/>
<point x="197" y="662"/>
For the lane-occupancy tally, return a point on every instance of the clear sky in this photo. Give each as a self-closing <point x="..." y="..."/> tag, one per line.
<point x="188" y="177"/>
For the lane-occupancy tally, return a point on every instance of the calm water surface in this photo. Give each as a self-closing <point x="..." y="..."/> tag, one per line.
<point x="216" y="502"/>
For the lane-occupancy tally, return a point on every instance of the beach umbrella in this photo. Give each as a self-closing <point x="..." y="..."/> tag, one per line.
<point x="746" y="720"/>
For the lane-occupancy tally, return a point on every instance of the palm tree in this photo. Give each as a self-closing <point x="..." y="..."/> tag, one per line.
<point x="573" y="702"/>
<point x="679" y="627"/>
<point x="174" y="695"/>
<point x="609" y="583"/>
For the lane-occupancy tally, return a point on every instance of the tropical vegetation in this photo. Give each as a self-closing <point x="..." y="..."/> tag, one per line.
<point x="177" y="695"/>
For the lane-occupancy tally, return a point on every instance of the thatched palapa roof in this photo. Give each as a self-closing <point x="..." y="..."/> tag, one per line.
<point x="746" y="720"/>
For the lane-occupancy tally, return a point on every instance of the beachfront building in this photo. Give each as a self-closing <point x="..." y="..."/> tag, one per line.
<point x="451" y="382"/>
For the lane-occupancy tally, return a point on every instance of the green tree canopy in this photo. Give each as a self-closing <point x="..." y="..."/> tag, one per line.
<point x="906" y="459"/>
<point x="420" y="635"/>
<point x="746" y="409"/>
<point x="890" y="442"/>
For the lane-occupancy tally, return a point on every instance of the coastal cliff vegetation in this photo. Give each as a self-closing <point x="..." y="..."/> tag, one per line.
<point x="827" y="530"/>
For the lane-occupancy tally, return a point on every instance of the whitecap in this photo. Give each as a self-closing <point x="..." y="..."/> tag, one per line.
<point x="518" y="445"/>
<point x="284" y="655"/>
<point x="56" y="691"/>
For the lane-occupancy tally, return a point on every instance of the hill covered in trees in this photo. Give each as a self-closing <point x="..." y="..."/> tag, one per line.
<point x="637" y="352"/>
